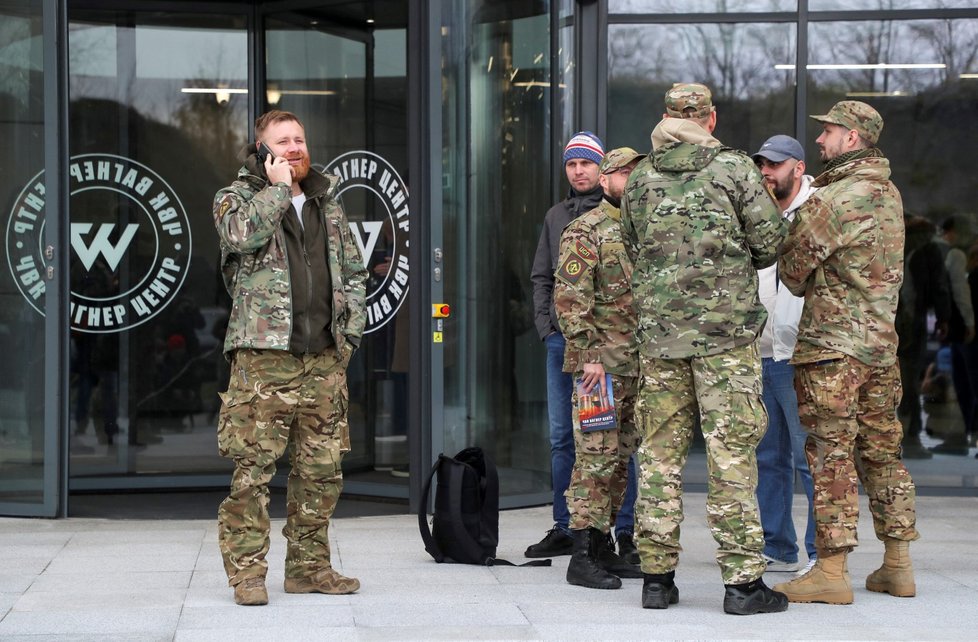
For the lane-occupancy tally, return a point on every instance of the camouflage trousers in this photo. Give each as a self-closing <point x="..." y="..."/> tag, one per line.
<point x="597" y="484"/>
<point x="724" y="389"/>
<point x="848" y="409"/>
<point x="277" y="400"/>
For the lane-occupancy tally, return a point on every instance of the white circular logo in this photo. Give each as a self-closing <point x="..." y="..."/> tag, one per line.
<point x="375" y="199"/>
<point x="130" y="243"/>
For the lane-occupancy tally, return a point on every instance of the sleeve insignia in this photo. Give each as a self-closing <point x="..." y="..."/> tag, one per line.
<point x="572" y="269"/>
<point x="224" y="206"/>
<point x="585" y="252"/>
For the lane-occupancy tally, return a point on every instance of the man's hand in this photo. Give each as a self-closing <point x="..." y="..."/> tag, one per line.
<point x="278" y="170"/>
<point x="593" y="375"/>
<point x="969" y="335"/>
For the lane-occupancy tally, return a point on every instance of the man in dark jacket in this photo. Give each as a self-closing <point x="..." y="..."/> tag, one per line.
<point x="582" y="156"/>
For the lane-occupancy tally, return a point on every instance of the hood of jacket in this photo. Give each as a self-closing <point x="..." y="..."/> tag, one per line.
<point x="869" y="169"/>
<point x="680" y="145"/>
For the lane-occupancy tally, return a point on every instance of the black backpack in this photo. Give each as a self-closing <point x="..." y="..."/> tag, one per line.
<point x="465" y="525"/>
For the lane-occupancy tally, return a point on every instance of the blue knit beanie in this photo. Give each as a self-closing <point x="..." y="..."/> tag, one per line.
<point x="584" y="145"/>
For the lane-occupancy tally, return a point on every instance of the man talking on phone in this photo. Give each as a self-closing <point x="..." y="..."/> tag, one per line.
<point x="297" y="283"/>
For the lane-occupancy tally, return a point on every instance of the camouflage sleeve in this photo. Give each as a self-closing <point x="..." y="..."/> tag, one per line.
<point x="763" y="223"/>
<point x="246" y="219"/>
<point x="574" y="293"/>
<point x="814" y="235"/>
<point x="628" y="235"/>
<point x="354" y="282"/>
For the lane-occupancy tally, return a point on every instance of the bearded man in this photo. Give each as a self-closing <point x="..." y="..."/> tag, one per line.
<point x="297" y="283"/>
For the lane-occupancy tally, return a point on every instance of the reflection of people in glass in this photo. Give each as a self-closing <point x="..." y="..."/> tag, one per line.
<point x="925" y="288"/>
<point x="297" y="283"/>
<point x="391" y="439"/>
<point x="95" y="358"/>
<point x="956" y="238"/>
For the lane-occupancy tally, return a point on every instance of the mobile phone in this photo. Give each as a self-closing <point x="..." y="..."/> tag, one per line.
<point x="263" y="152"/>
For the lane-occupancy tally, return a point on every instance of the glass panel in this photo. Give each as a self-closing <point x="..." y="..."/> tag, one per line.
<point x="754" y="99"/>
<point x="922" y="76"/>
<point x="870" y="5"/>
<point x="158" y="112"/>
<point x="497" y="145"/>
<point x="22" y="392"/>
<point x="350" y="90"/>
<point x="699" y="6"/>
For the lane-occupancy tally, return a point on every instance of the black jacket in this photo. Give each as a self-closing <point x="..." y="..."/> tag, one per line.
<point x="548" y="250"/>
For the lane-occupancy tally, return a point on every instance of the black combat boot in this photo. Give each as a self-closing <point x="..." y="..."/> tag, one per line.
<point x="610" y="561"/>
<point x="627" y="549"/>
<point x="753" y="597"/>
<point x="659" y="590"/>
<point x="583" y="569"/>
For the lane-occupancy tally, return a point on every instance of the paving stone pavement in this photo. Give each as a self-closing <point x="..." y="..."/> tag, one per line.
<point x="97" y="579"/>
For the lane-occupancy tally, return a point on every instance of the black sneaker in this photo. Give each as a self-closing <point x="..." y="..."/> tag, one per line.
<point x="627" y="549"/>
<point x="555" y="542"/>
<point x="659" y="590"/>
<point x="751" y="598"/>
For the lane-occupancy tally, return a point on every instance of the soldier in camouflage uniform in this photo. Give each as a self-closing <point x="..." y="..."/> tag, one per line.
<point x="844" y="254"/>
<point x="593" y="301"/>
<point x="296" y="279"/>
<point x="698" y="224"/>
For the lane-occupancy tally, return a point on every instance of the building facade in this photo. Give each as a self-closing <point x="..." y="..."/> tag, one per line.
<point x="444" y="120"/>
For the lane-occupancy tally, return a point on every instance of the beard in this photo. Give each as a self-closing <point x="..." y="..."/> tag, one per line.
<point x="300" y="171"/>
<point x="783" y="188"/>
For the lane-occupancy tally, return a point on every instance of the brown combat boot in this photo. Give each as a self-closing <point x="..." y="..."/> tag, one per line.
<point x="896" y="575"/>
<point x="251" y="592"/>
<point x="827" y="582"/>
<point x="324" y="581"/>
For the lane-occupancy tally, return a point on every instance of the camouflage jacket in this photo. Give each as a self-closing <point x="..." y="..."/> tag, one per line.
<point x="844" y="254"/>
<point x="698" y="224"/>
<point x="593" y="294"/>
<point x="255" y="264"/>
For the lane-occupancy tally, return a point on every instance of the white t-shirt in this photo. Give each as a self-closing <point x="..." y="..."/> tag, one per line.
<point x="297" y="203"/>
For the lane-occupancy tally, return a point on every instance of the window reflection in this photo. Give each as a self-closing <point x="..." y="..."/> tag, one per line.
<point x="754" y="100"/>
<point x="869" y="5"/>
<point x="22" y="392"/>
<point x="699" y="6"/>
<point x="497" y="146"/>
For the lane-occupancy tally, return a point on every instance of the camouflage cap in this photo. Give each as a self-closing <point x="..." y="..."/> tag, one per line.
<point x="683" y="96"/>
<point x="618" y="158"/>
<point x="853" y="114"/>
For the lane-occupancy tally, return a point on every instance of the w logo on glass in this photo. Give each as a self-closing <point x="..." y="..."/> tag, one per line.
<point x="130" y="241"/>
<point x="101" y="244"/>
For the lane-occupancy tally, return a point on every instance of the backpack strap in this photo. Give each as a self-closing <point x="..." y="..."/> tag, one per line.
<point x="430" y="544"/>
<point x="471" y="547"/>
<point x="490" y="511"/>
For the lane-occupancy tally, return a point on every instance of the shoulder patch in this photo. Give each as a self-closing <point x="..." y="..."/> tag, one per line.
<point x="225" y="205"/>
<point x="585" y="252"/>
<point x="572" y="269"/>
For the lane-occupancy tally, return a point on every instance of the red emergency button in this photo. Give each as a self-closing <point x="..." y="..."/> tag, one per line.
<point x="440" y="310"/>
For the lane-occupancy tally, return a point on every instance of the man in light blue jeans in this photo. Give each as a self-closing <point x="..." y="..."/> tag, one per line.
<point x="781" y="452"/>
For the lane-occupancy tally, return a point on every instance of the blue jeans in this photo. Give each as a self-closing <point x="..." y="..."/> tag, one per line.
<point x="560" y="387"/>
<point x="625" y="522"/>
<point x="781" y="453"/>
